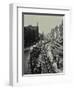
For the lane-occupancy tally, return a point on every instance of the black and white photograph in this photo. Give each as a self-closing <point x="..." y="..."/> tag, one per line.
<point x="42" y="43"/>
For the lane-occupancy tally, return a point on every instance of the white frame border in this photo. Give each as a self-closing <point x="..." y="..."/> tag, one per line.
<point x="15" y="76"/>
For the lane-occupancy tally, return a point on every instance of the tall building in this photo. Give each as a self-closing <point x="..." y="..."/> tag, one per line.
<point x="31" y="35"/>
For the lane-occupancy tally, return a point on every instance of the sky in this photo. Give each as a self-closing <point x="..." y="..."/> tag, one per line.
<point x="45" y="22"/>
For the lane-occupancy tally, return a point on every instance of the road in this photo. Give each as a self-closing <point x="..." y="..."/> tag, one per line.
<point x="27" y="69"/>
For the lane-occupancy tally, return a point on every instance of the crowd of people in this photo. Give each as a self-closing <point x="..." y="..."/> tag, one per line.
<point x="42" y="60"/>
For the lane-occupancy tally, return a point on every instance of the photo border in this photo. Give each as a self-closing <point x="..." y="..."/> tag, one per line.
<point x="15" y="79"/>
